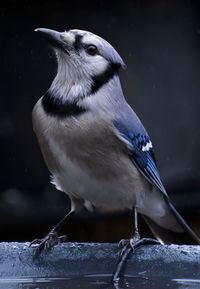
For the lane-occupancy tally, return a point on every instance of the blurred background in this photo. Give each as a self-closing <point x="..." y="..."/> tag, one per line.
<point x="160" y="43"/>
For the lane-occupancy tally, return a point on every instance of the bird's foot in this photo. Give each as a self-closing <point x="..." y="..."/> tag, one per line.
<point x="134" y="242"/>
<point x="124" y="244"/>
<point x="128" y="245"/>
<point x="47" y="242"/>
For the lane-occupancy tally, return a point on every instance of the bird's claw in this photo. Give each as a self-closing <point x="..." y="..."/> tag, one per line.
<point x="128" y="245"/>
<point x="125" y="243"/>
<point x="135" y="242"/>
<point x="47" y="242"/>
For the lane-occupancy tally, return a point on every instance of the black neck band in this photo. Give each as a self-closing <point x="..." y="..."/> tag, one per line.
<point x="53" y="106"/>
<point x="101" y="79"/>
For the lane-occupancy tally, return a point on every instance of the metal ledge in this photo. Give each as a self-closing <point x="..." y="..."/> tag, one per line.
<point x="84" y="259"/>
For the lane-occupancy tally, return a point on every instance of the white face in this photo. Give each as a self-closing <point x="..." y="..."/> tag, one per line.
<point x="85" y="55"/>
<point x="88" y="53"/>
<point x="83" y="58"/>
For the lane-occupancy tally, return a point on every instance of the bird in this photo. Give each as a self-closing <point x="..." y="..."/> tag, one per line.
<point x="95" y="146"/>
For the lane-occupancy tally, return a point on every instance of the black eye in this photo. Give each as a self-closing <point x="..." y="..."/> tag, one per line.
<point x="91" y="49"/>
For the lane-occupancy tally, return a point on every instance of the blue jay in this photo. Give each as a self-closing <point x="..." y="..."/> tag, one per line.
<point x="93" y="143"/>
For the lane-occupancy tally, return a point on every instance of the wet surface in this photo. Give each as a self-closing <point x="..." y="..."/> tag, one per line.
<point x="92" y="266"/>
<point x="98" y="282"/>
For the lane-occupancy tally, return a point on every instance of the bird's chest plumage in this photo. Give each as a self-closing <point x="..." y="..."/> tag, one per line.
<point x="87" y="161"/>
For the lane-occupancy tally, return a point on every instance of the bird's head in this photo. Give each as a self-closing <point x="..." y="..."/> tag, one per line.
<point x="85" y="61"/>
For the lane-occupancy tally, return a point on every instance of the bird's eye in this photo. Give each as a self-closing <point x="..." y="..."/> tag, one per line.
<point x="91" y="49"/>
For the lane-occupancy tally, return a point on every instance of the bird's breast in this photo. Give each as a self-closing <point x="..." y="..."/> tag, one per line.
<point x="87" y="160"/>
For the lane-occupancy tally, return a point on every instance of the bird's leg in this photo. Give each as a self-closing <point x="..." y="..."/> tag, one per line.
<point x="131" y="244"/>
<point x="52" y="238"/>
<point x="125" y="243"/>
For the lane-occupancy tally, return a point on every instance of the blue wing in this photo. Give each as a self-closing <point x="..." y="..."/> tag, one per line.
<point x="141" y="153"/>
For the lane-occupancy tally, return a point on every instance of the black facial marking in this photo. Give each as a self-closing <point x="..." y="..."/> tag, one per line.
<point x="53" y="106"/>
<point x="103" y="78"/>
<point x="77" y="42"/>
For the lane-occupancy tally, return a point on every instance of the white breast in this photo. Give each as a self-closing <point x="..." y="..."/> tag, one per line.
<point x="77" y="182"/>
<point x="86" y="165"/>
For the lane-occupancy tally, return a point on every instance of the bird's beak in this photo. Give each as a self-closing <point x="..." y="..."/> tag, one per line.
<point x="53" y="37"/>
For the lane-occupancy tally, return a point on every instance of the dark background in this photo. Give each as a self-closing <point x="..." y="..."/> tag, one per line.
<point x="160" y="43"/>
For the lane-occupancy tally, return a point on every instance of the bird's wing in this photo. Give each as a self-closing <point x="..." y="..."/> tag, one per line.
<point x="141" y="152"/>
<point x="131" y="131"/>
